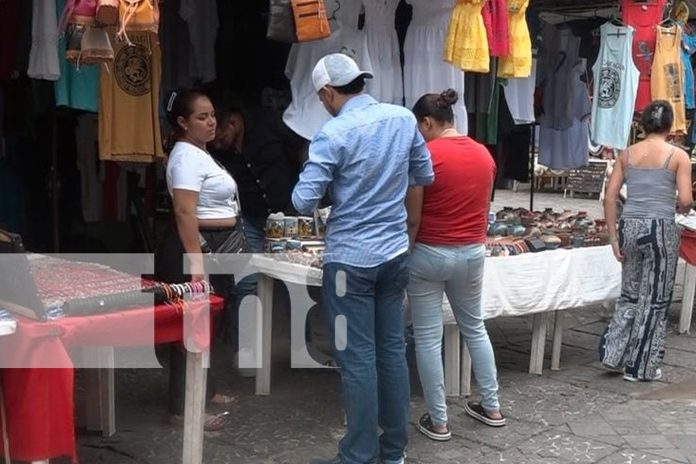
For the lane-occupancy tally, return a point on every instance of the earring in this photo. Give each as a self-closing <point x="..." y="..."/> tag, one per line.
<point x="185" y="128"/>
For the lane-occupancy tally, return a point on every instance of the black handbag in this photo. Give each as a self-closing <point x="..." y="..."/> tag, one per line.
<point x="281" y="21"/>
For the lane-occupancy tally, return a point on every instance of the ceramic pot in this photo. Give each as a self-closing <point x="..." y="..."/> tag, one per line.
<point x="517" y="230"/>
<point x="498" y="229"/>
<point x="551" y="241"/>
<point x="507" y="214"/>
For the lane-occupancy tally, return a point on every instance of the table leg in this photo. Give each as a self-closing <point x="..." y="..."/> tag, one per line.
<point x="557" y="341"/>
<point x="100" y="392"/>
<point x="688" y="300"/>
<point x="107" y="394"/>
<point x="194" y="408"/>
<point x="536" y="361"/>
<point x="264" y="331"/>
<point x="466" y="371"/>
<point x="452" y="350"/>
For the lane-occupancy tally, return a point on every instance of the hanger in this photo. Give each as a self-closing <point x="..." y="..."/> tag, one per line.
<point x="614" y="20"/>
<point x="333" y="13"/>
<point x="669" y="22"/>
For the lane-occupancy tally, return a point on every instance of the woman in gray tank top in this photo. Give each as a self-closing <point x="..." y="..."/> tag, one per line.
<point x="647" y="245"/>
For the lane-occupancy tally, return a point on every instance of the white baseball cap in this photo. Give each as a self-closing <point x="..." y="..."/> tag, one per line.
<point x="336" y="70"/>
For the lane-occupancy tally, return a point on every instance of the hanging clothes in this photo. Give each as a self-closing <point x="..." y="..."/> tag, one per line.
<point x="424" y="70"/>
<point x="383" y="46"/>
<point x="643" y="16"/>
<point x="518" y="63"/>
<point x="43" y="57"/>
<point x="77" y="87"/>
<point x="188" y="31"/>
<point x="306" y="115"/>
<point x="495" y="19"/>
<point x="558" y="71"/>
<point x="466" y="45"/>
<point x="615" y="87"/>
<point x="688" y="48"/>
<point x="129" y="127"/>
<point x="667" y="77"/>
<point x="483" y="104"/>
<point x="568" y="148"/>
<point x="519" y="96"/>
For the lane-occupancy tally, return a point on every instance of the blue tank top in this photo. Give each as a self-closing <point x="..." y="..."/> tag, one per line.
<point x="651" y="191"/>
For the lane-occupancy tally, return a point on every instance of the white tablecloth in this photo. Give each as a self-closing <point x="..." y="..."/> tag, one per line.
<point x="513" y="285"/>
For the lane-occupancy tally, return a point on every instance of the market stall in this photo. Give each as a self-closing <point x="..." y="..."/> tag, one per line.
<point x="529" y="284"/>
<point x="37" y="374"/>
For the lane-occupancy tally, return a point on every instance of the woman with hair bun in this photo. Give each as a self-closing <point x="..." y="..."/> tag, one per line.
<point x="447" y="225"/>
<point x="647" y="245"/>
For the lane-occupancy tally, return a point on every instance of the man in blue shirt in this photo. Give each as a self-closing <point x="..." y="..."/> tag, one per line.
<point x="364" y="158"/>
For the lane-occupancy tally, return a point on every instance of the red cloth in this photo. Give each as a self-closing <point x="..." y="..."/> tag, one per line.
<point x="687" y="247"/>
<point x="643" y="17"/>
<point x="495" y="19"/>
<point x="39" y="402"/>
<point x="455" y="207"/>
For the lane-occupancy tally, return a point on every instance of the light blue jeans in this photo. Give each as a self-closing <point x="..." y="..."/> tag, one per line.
<point x="458" y="272"/>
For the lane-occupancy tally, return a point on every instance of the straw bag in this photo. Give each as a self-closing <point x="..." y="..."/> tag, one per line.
<point x="107" y="12"/>
<point x="85" y="42"/>
<point x="311" y="21"/>
<point x="96" y="46"/>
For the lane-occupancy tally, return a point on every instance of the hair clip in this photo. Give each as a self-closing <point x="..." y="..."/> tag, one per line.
<point x="170" y="103"/>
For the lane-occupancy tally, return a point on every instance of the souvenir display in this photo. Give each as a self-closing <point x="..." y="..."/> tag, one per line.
<point x="516" y="231"/>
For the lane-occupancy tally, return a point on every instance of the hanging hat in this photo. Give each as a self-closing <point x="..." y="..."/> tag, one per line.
<point x="681" y="13"/>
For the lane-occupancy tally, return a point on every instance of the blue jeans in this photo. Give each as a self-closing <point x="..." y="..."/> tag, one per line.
<point x="457" y="271"/>
<point x="374" y="372"/>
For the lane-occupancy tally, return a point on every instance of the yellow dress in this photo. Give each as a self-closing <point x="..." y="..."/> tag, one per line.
<point x="466" y="45"/>
<point x="519" y="63"/>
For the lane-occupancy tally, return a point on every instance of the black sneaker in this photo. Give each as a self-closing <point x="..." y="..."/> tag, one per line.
<point x="425" y="426"/>
<point x="476" y="411"/>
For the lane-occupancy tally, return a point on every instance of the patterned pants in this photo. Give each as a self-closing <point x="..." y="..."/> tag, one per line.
<point x="635" y="337"/>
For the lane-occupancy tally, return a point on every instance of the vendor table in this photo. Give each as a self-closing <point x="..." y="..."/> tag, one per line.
<point x="687" y="251"/>
<point x="39" y="401"/>
<point x="533" y="283"/>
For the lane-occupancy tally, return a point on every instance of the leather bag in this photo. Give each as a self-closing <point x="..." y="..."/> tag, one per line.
<point x="281" y="21"/>
<point x="107" y="12"/>
<point x="311" y="21"/>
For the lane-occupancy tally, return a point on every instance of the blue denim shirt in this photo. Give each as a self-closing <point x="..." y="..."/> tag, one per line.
<point x="365" y="158"/>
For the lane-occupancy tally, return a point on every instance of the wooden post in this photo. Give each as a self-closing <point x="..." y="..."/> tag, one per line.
<point x="452" y="349"/>
<point x="688" y="300"/>
<point x="100" y="398"/>
<point x="264" y="331"/>
<point x="536" y="356"/>
<point x="557" y="341"/>
<point x="194" y="408"/>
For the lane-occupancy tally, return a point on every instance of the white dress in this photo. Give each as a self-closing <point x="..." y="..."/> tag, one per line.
<point x="306" y="114"/>
<point x="43" y="57"/>
<point x="425" y="71"/>
<point x="383" y="46"/>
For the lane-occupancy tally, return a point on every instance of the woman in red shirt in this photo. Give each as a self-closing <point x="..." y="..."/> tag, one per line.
<point x="447" y="226"/>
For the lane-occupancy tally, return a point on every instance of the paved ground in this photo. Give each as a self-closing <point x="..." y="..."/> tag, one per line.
<point x="578" y="414"/>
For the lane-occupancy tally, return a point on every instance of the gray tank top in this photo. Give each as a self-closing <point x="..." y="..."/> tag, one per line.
<point x="651" y="191"/>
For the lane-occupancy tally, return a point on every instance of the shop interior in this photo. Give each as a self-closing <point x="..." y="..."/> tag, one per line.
<point x="61" y="198"/>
